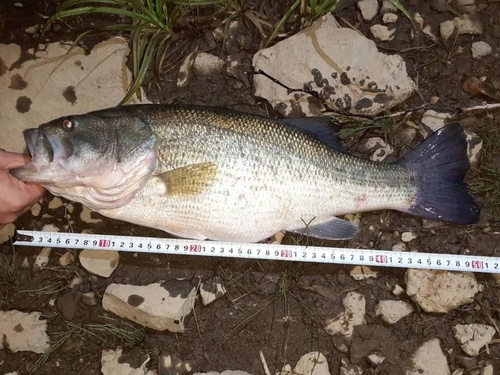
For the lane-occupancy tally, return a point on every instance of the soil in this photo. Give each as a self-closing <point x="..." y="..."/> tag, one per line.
<point x="276" y="307"/>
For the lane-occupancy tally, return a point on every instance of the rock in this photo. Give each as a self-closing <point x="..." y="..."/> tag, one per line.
<point x="75" y="82"/>
<point x="389" y="18"/>
<point x="66" y="304"/>
<point x="387" y="7"/>
<point x="440" y="291"/>
<point x="66" y="259"/>
<point x="393" y="311"/>
<point x="354" y="314"/>
<point x="377" y="147"/>
<point x="446" y="29"/>
<point x="99" y="262"/>
<point x="368" y="9"/>
<point x="26" y="263"/>
<point x="429" y="359"/>
<point x="89" y="299"/>
<point x="434" y="120"/>
<point x="399" y="246"/>
<point x="398" y="290"/>
<point x="480" y="49"/>
<point x="160" y="306"/>
<point x="347" y="368"/>
<point x="362" y="273"/>
<point x="376" y="359"/>
<point x="170" y="364"/>
<point x="86" y="216"/>
<point x="472" y="337"/>
<point x="382" y="32"/>
<point x="42" y="258"/>
<point x="461" y="25"/>
<point x="115" y="362"/>
<point x="211" y="289"/>
<point x="36" y="209"/>
<point x="277" y="238"/>
<point x="50" y="228"/>
<point x="313" y="363"/>
<point x="23" y="332"/>
<point x="55" y="203"/>
<point x="77" y="280"/>
<point x="6" y="232"/>
<point x="185" y="69"/>
<point x="440" y="5"/>
<point x="474" y="146"/>
<point x="408" y="236"/>
<point x="325" y="58"/>
<point x="467" y="6"/>
<point x="206" y="63"/>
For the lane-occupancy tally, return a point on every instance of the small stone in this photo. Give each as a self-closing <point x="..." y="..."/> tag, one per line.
<point x="434" y="120"/>
<point x="50" y="228"/>
<point x="160" y="306"/>
<point x="431" y="224"/>
<point x="170" y="364"/>
<point x="99" y="262"/>
<point x="382" y="33"/>
<point x="362" y="273"/>
<point x="472" y="337"/>
<point x="70" y="208"/>
<point x="467" y="6"/>
<point x="89" y="299"/>
<point x="86" y="217"/>
<point x="277" y="238"/>
<point x="206" y="63"/>
<point x="313" y="363"/>
<point x="429" y="359"/>
<point x="115" y="362"/>
<point x="440" y="291"/>
<point x="368" y="9"/>
<point x="348" y="368"/>
<point x="66" y="304"/>
<point x="446" y="29"/>
<point x="185" y="69"/>
<point x="440" y="5"/>
<point x="55" y="203"/>
<point x="211" y="289"/>
<point x="389" y="18"/>
<point x="408" y="236"/>
<point x="399" y="246"/>
<point x="36" y="209"/>
<point x="463" y="25"/>
<point x="42" y="258"/>
<point x="23" y="332"/>
<point x="474" y="146"/>
<point x="77" y="280"/>
<point x="407" y="135"/>
<point x="18" y="4"/>
<point x="377" y="147"/>
<point x="26" y="263"/>
<point x="32" y="30"/>
<point x="480" y="49"/>
<point x="7" y="232"/>
<point x="66" y="259"/>
<point x="388" y="7"/>
<point x="398" y="290"/>
<point x="376" y="359"/>
<point x="393" y="311"/>
<point x="353" y="315"/>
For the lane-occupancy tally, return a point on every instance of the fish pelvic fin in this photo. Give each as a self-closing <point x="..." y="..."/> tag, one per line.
<point x="189" y="180"/>
<point x="439" y="165"/>
<point x="335" y="229"/>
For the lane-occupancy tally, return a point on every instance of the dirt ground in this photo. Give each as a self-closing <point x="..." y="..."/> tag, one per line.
<point x="275" y="306"/>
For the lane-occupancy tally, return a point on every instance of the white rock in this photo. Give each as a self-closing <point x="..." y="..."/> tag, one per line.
<point x="446" y="29"/>
<point x="382" y="32"/>
<point x="398" y="290"/>
<point x="26" y="263"/>
<point x="392" y="312"/>
<point x="184" y="73"/>
<point x="429" y="359"/>
<point x="480" y="49"/>
<point x="77" y="280"/>
<point x="55" y="203"/>
<point x="99" y="262"/>
<point x="69" y="208"/>
<point x="6" y="232"/>
<point x="86" y="216"/>
<point x="211" y="289"/>
<point x="347" y="368"/>
<point x="23" y="332"/>
<point x="50" y="228"/>
<point x="74" y="81"/>
<point x="389" y="18"/>
<point x="207" y="63"/>
<point x="354" y="315"/>
<point x="89" y="299"/>
<point x="474" y="146"/>
<point x="36" y="209"/>
<point x="312" y="363"/>
<point x="171" y="364"/>
<point x="461" y="25"/>
<point x="114" y="362"/>
<point x="277" y="238"/>
<point x="376" y="359"/>
<point x="434" y="120"/>
<point x="378" y="148"/>
<point x="158" y="306"/>
<point x="42" y="258"/>
<point x="368" y="9"/>
<point x="440" y="291"/>
<point x="362" y="273"/>
<point x="399" y="246"/>
<point x="326" y="58"/>
<point x="387" y="6"/>
<point x="472" y="337"/>
<point x="408" y="236"/>
<point x="66" y="259"/>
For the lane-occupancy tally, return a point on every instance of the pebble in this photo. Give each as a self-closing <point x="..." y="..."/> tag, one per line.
<point x="99" y="262"/>
<point x="89" y="299"/>
<point x="389" y="18"/>
<point x="480" y="49"/>
<point x="55" y="203"/>
<point x="399" y="246"/>
<point x="472" y="337"/>
<point x="36" y="209"/>
<point x="382" y="33"/>
<point x="368" y="9"/>
<point x="393" y="311"/>
<point x="429" y="359"/>
<point x="313" y="363"/>
<point x="353" y="315"/>
<point x="362" y="272"/>
<point x="211" y="289"/>
<point x="42" y="258"/>
<point x="86" y="217"/>
<point x="66" y="259"/>
<point x="408" y="236"/>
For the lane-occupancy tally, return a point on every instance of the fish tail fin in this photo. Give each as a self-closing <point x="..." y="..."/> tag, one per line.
<point x="440" y="164"/>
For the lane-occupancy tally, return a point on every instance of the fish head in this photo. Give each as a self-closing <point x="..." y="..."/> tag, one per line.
<point x="100" y="159"/>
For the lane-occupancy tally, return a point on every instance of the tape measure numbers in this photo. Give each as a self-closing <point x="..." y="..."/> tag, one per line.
<point x="329" y="255"/>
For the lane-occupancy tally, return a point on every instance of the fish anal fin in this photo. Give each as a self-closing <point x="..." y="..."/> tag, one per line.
<point x="189" y="180"/>
<point x="335" y="229"/>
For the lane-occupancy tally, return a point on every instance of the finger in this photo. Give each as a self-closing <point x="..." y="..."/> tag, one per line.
<point x="9" y="160"/>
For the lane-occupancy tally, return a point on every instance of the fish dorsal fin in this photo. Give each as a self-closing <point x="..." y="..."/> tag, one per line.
<point x="321" y="127"/>
<point x="189" y="180"/>
<point x="335" y="229"/>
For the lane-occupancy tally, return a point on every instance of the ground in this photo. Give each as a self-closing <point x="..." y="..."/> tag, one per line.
<point x="278" y="307"/>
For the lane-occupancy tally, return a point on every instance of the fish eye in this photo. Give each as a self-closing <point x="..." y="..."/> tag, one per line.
<point x="69" y="123"/>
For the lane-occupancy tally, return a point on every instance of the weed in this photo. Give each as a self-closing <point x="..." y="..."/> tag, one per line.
<point x="7" y="270"/>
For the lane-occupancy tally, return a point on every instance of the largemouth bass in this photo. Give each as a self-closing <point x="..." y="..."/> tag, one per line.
<point x="213" y="173"/>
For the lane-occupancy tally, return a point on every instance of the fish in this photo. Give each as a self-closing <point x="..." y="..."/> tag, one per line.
<point x="210" y="173"/>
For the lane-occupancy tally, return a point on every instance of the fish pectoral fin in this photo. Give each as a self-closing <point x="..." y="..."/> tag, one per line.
<point x="189" y="180"/>
<point x="335" y="229"/>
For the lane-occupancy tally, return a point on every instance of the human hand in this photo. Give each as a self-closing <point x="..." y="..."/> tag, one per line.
<point x="16" y="197"/>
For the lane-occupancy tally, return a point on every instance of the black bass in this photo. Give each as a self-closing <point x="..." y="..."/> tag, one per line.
<point x="212" y="173"/>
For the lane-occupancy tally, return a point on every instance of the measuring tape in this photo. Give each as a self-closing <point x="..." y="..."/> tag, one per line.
<point x="329" y="255"/>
